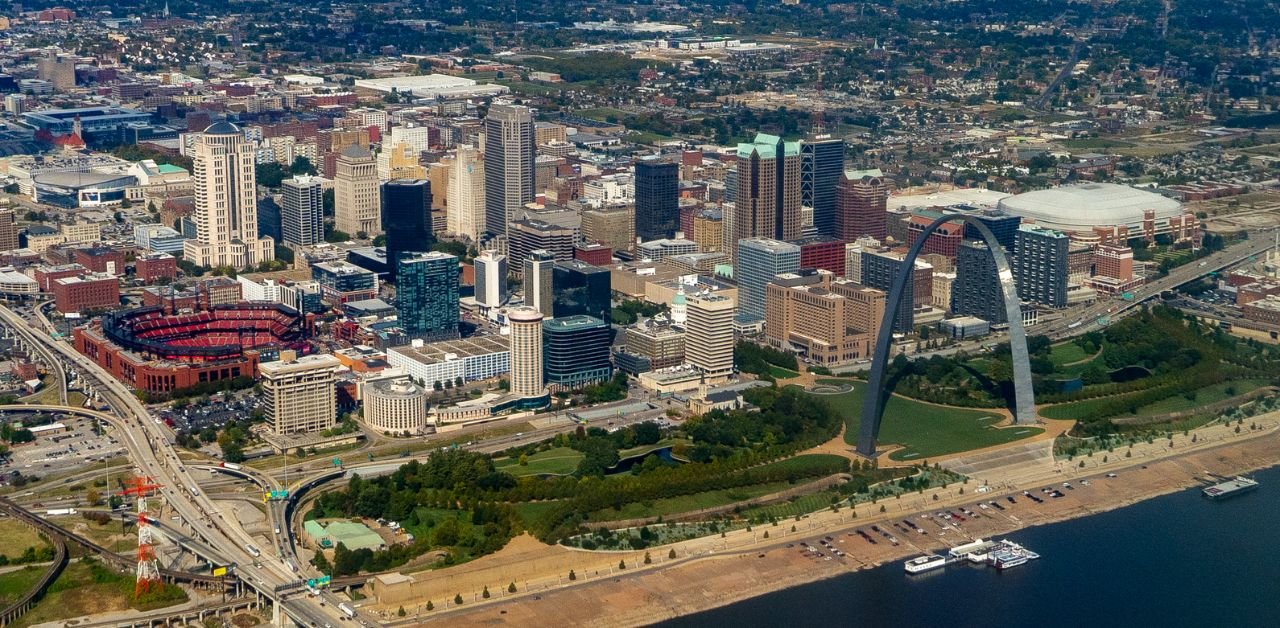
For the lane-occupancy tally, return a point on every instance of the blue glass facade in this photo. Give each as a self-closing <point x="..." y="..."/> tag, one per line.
<point x="427" y="295"/>
<point x="575" y="352"/>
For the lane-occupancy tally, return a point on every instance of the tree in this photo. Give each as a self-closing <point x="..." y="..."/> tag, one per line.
<point x="93" y="497"/>
<point x="457" y="599"/>
<point x="671" y="554"/>
<point x="430" y="606"/>
<point x="269" y="174"/>
<point x="400" y="612"/>
<point x="622" y="564"/>
<point x="511" y="588"/>
<point x="302" y="165"/>
<point x="648" y="560"/>
<point x="572" y="576"/>
<point x="485" y="593"/>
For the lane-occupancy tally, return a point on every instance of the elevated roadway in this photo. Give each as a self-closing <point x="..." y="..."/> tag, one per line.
<point x="151" y="451"/>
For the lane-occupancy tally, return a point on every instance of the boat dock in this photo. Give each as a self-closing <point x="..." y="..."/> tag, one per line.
<point x="1230" y="488"/>
<point x="999" y="554"/>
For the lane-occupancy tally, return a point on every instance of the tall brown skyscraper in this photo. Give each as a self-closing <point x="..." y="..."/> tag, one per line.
<point x="862" y="198"/>
<point x="767" y="203"/>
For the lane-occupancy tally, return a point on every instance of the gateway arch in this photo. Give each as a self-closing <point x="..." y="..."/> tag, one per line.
<point x="1024" y="400"/>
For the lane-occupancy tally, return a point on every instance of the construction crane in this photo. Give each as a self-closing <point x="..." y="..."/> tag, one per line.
<point x="148" y="571"/>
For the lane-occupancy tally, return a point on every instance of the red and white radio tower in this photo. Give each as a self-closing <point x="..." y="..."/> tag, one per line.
<point x="148" y="569"/>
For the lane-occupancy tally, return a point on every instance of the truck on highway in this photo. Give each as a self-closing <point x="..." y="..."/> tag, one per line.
<point x="228" y="465"/>
<point x="193" y="490"/>
<point x="252" y="550"/>
<point x="56" y="512"/>
<point x="347" y="610"/>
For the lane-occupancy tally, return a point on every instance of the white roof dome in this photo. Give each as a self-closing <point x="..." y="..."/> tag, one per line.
<point x="1085" y="206"/>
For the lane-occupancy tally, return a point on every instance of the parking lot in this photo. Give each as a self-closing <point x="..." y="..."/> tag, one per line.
<point x="59" y="452"/>
<point x="214" y="412"/>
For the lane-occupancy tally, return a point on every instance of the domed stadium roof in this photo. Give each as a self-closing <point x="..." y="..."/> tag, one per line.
<point x="1085" y="206"/>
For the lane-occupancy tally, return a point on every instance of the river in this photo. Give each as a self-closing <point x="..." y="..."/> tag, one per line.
<point x="1176" y="560"/>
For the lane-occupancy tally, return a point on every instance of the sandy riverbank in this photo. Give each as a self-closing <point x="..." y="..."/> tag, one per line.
<point x="718" y="571"/>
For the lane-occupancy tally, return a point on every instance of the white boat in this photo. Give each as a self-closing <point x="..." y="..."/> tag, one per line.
<point x="1009" y="554"/>
<point x="924" y="563"/>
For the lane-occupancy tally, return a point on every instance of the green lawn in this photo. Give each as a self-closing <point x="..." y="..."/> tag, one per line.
<point x="711" y="499"/>
<point x="1172" y="403"/>
<point x="531" y="511"/>
<point x="1096" y="142"/>
<point x="15" y="584"/>
<point x="558" y="460"/>
<point x="686" y="503"/>
<point x="780" y="373"/>
<point x="926" y="430"/>
<point x="87" y="587"/>
<point x="1066" y="353"/>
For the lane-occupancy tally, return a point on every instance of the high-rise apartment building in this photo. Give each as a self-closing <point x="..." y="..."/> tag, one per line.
<point x="508" y="165"/>
<point x="861" y="206"/>
<point x="575" y="352"/>
<point x="1040" y="267"/>
<point x="767" y="203"/>
<point x="302" y="211"/>
<point x="829" y="320"/>
<point x="526" y="352"/>
<point x="299" y="393"/>
<point x="8" y="230"/>
<point x="709" y="335"/>
<point x="976" y="290"/>
<point x="657" y="210"/>
<point x="708" y="230"/>
<point x="356" y="206"/>
<point x="427" y="295"/>
<point x="406" y="214"/>
<point x="225" y="190"/>
<point x="614" y="227"/>
<point x="821" y="167"/>
<point x="466" y="214"/>
<point x="578" y="289"/>
<point x="538" y="267"/>
<point x="491" y="279"/>
<point x="880" y="267"/>
<point x="759" y="261"/>
<point x="526" y="236"/>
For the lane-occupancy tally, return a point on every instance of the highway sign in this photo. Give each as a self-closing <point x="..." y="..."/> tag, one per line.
<point x="275" y="495"/>
<point x="220" y="571"/>
<point x="316" y="583"/>
<point x="337" y="462"/>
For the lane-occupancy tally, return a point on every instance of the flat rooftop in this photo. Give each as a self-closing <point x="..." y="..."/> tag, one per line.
<point x="435" y="352"/>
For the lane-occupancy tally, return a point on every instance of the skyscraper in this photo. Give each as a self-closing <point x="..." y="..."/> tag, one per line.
<point x="491" y="279"/>
<point x="759" y="261"/>
<point x="406" y="213"/>
<point x="427" y="295"/>
<point x="526" y="352"/>
<point x="225" y="192"/>
<point x="767" y="203"/>
<point x="537" y="272"/>
<point x="579" y="288"/>
<point x="8" y="230"/>
<point x="355" y="193"/>
<point x="879" y="268"/>
<point x="575" y="352"/>
<point x="657" y="199"/>
<point x="709" y="335"/>
<point x="299" y="393"/>
<point x="302" y="211"/>
<point x="508" y="165"/>
<point x="1040" y="267"/>
<point x="466" y="216"/>
<point x="821" y="164"/>
<point x="861" y="205"/>
<point x="976" y="290"/>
